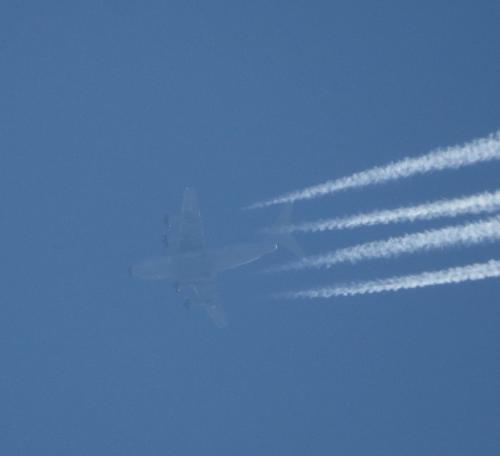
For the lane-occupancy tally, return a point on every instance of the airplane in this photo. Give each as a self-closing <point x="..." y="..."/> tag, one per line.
<point x="191" y="265"/>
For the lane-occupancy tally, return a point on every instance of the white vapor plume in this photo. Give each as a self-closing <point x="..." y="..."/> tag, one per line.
<point x="478" y="271"/>
<point x="458" y="235"/>
<point x="486" y="202"/>
<point x="476" y="151"/>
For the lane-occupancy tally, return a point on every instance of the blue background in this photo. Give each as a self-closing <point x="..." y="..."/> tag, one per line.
<point x="109" y="109"/>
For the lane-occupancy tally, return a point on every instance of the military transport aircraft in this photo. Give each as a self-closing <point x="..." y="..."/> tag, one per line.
<point x="190" y="264"/>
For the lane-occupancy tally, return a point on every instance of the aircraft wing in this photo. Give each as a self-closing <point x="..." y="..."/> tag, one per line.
<point x="186" y="230"/>
<point x="287" y="240"/>
<point x="206" y="296"/>
<point x="238" y="255"/>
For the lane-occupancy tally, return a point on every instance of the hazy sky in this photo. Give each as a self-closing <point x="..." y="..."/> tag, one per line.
<point x="109" y="109"/>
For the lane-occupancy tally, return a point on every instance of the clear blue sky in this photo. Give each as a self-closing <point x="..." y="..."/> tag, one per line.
<point x="109" y="109"/>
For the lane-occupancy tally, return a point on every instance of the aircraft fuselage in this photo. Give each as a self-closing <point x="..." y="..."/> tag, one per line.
<point x="192" y="267"/>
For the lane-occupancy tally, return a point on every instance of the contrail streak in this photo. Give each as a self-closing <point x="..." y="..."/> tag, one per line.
<point x="476" y="204"/>
<point x="478" y="271"/>
<point x="458" y="235"/>
<point x="476" y="151"/>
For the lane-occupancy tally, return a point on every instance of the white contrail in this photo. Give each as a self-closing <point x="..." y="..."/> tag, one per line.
<point x="478" y="271"/>
<point x="486" y="202"/>
<point x="476" y="151"/>
<point x="467" y="234"/>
